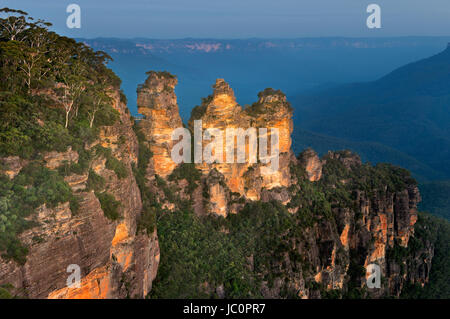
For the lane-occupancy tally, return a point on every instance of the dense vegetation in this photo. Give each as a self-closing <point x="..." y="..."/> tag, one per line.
<point x="201" y="253"/>
<point x="147" y="219"/>
<point x="238" y="256"/>
<point x="34" y="186"/>
<point x="54" y="93"/>
<point x="436" y="231"/>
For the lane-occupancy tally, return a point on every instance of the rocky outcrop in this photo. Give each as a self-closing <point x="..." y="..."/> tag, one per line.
<point x="312" y="164"/>
<point x="221" y="111"/>
<point x="55" y="159"/>
<point x="381" y="221"/>
<point x="12" y="165"/>
<point x="157" y="102"/>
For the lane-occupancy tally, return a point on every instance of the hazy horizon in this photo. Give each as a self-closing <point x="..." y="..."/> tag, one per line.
<point x="270" y="38"/>
<point x="236" y="19"/>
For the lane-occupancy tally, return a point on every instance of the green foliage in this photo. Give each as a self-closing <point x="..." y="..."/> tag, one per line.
<point x="199" y="110"/>
<point x="5" y="292"/>
<point x="109" y="204"/>
<point x="258" y="108"/>
<point x="95" y="182"/>
<point x="169" y="193"/>
<point x="147" y="220"/>
<point x="107" y="117"/>
<point x="314" y="201"/>
<point x="266" y="233"/>
<point x="188" y="172"/>
<point x="117" y="166"/>
<point x="68" y="168"/>
<point x="397" y="253"/>
<point x="74" y="204"/>
<point x="38" y="185"/>
<point x="193" y="252"/>
<point x="34" y="186"/>
<point x="355" y="272"/>
<point x="112" y="163"/>
<point x="436" y="231"/>
<point x="163" y="74"/>
<point x="216" y="251"/>
<point x="123" y="97"/>
<point x="51" y="87"/>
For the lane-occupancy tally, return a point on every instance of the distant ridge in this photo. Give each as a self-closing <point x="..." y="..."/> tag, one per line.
<point x="211" y="45"/>
<point x="408" y="110"/>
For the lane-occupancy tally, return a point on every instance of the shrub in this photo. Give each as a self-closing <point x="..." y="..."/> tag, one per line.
<point x="117" y="166"/>
<point x="109" y="205"/>
<point x="95" y="182"/>
<point x="112" y="163"/>
<point x="188" y="172"/>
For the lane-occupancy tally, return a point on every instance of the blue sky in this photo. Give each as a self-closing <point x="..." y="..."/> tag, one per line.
<point x="242" y="18"/>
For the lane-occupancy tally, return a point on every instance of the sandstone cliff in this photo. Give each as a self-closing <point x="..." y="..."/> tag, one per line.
<point x="157" y="102"/>
<point x="115" y="260"/>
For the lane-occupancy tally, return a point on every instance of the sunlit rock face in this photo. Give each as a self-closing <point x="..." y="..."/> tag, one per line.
<point x="273" y="111"/>
<point x="312" y="164"/>
<point x="158" y="103"/>
<point x="117" y="261"/>
<point x="221" y="111"/>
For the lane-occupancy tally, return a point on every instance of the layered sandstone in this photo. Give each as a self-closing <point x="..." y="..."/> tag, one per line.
<point x="383" y="219"/>
<point x="115" y="261"/>
<point x="312" y="164"/>
<point x="221" y="111"/>
<point x="157" y="102"/>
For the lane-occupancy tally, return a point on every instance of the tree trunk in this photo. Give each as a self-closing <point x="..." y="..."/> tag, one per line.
<point x="91" y="122"/>
<point x="67" y="119"/>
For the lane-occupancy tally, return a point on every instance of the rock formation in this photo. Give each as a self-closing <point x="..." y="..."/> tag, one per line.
<point x="221" y="111"/>
<point x="313" y="166"/>
<point x="157" y="102"/>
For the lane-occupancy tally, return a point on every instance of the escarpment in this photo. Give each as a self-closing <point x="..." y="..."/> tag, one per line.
<point x="114" y="259"/>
